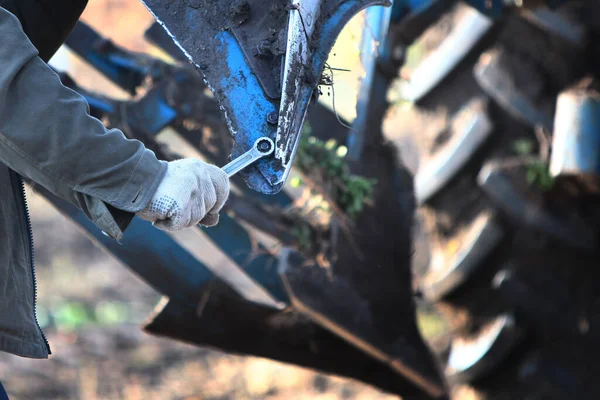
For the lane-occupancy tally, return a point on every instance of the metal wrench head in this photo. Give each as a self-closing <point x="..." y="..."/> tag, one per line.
<point x="265" y="146"/>
<point x="261" y="148"/>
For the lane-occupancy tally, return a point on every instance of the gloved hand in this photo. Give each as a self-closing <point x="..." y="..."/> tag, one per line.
<point x="191" y="192"/>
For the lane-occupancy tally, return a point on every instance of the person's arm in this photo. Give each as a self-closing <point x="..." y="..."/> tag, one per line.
<point x="48" y="136"/>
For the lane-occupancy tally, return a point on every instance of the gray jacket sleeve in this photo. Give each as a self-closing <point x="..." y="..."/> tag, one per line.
<point x="48" y="136"/>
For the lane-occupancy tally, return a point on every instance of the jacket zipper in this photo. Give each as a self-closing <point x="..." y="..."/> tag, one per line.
<point x="32" y="259"/>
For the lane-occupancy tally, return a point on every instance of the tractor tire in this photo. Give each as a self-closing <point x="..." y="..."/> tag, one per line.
<point x="512" y="254"/>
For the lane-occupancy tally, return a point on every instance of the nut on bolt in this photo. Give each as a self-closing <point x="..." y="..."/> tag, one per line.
<point x="273" y="118"/>
<point x="264" y="146"/>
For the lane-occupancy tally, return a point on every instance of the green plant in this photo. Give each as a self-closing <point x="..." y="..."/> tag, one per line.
<point x="325" y="164"/>
<point x="523" y="147"/>
<point x="72" y="316"/>
<point x="536" y="172"/>
<point x="304" y="237"/>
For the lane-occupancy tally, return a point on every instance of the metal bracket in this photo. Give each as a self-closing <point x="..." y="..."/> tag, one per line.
<point x="206" y="33"/>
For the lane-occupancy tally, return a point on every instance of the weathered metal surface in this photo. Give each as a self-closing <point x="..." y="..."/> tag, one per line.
<point x="494" y="73"/>
<point x="308" y="49"/>
<point x="325" y="123"/>
<point x="373" y="49"/>
<point x="576" y="139"/>
<point x="435" y="68"/>
<point x="246" y="110"/>
<point x="332" y="303"/>
<point x="261" y="33"/>
<point x="202" y="30"/>
<point x="474" y="357"/>
<point x="447" y="272"/>
<point x="471" y="128"/>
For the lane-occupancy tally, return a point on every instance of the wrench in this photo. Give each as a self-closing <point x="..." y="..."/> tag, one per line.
<point x="261" y="148"/>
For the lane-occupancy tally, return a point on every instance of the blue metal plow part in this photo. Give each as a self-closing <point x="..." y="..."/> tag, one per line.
<point x="207" y="35"/>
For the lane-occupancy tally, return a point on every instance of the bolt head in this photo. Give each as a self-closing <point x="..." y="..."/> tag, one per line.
<point x="264" y="146"/>
<point x="273" y="118"/>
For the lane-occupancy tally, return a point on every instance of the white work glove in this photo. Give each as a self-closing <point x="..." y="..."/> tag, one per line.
<point x="191" y="192"/>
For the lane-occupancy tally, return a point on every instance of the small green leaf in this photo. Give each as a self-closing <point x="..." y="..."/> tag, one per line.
<point x="111" y="312"/>
<point x="71" y="316"/>
<point x="330" y="144"/>
<point x="523" y="147"/>
<point x="296" y="182"/>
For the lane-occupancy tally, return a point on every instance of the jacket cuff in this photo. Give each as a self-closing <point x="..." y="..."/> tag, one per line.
<point x="114" y="217"/>
<point x="142" y="184"/>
